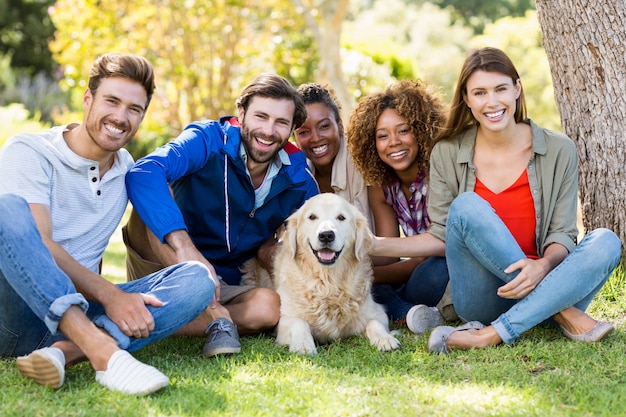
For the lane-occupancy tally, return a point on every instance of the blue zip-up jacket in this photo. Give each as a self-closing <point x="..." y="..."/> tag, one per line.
<point x="213" y="195"/>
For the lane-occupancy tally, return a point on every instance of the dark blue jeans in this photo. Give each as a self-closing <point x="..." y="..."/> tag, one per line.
<point x="426" y="285"/>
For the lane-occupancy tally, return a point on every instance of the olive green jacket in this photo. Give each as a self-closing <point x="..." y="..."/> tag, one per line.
<point x="552" y="175"/>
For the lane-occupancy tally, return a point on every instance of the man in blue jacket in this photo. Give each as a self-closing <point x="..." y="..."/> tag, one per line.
<point x="217" y="194"/>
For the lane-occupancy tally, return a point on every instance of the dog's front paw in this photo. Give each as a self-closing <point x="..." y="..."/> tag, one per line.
<point x="305" y="347"/>
<point x="296" y="333"/>
<point x="379" y="336"/>
<point x="386" y="343"/>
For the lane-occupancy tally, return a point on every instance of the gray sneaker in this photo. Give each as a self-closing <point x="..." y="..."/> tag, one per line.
<point x="421" y="318"/>
<point x="222" y="338"/>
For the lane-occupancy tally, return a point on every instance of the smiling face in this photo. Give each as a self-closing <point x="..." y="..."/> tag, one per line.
<point x="395" y="143"/>
<point x="265" y="127"/>
<point x="319" y="137"/>
<point x="113" y="114"/>
<point x="491" y="97"/>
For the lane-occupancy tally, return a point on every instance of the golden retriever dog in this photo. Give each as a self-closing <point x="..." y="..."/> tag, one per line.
<point x="323" y="275"/>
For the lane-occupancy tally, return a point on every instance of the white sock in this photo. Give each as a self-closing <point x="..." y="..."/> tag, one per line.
<point x="129" y="376"/>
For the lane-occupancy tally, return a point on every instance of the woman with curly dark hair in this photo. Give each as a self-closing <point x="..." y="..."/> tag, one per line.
<point x="390" y="137"/>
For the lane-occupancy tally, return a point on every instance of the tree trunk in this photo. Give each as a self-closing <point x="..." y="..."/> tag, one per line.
<point x="325" y="20"/>
<point x="585" y="42"/>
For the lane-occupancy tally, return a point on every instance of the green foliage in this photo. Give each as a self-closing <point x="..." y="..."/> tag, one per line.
<point x="7" y="75"/>
<point x="146" y="141"/>
<point x="425" y="42"/>
<point x="25" y="30"/>
<point x="431" y="47"/>
<point x="39" y="94"/>
<point x="15" y="119"/>
<point x="203" y="52"/>
<point x="479" y="13"/>
<point x="399" y="67"/>
<point x="293" y="50"/>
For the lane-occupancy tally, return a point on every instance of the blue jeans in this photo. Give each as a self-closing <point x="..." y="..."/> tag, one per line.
<point x="426" y="285"/>
<point x="35" y="293"/>
<point x="479" y="247"/>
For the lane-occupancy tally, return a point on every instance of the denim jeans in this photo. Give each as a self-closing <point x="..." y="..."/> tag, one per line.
<point x="479" y="247"/>
<point x="35" y="292"/>
<point x="426" y="285"/>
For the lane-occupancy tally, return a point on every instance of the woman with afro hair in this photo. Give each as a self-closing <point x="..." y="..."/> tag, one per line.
<point x="390" y="136"/>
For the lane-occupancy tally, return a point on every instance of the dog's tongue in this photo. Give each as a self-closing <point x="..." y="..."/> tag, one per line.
<point x="326" y="254"/>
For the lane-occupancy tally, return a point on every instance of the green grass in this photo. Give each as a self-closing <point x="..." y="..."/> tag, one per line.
<point x="543" y="374"/>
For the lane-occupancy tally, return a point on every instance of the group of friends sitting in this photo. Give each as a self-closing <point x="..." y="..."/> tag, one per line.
<point x="472" y="204"/>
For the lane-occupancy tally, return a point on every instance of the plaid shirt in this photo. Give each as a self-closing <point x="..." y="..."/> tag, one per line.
<point x="412" y="215"/>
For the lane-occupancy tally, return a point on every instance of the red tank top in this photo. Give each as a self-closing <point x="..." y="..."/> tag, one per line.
<point x="516" y="208"/>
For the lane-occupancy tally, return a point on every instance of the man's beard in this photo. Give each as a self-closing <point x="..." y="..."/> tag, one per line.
<point x="253" y="153"/>
<point x="97" y="132"/>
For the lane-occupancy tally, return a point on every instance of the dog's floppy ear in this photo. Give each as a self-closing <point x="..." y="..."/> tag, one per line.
<point x="364" y="238"/>
<point x="291" y="232"/>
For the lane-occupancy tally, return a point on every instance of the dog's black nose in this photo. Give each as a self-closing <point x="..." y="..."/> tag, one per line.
<point x="326" y="236"/>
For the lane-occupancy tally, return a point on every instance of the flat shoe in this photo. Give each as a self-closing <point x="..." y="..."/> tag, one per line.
<point x="437" y="342"/>
<point x="129" y="376"/>
<point x="599" y="332"/>
<point x="45" y="366"/>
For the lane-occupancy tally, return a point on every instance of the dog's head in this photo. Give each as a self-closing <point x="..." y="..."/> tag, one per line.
<point x="329" y="227"/>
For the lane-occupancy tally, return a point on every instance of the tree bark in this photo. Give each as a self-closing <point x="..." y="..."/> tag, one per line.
<point x="585" y="42"/>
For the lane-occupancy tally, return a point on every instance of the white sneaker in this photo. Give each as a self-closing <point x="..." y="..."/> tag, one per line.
<point x="45" y="366"/>
<point x="421" y="318"/>
<point x="129" y="376"/>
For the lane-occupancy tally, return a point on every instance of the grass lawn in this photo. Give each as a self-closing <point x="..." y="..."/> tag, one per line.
<point x="544" y="374"/>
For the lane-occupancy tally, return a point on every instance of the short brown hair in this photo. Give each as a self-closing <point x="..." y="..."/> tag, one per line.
<point x="273" y="86"/>
<point x="133" y="67"/>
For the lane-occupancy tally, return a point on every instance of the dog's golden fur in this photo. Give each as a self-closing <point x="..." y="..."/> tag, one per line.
<point x="323" y="275"/>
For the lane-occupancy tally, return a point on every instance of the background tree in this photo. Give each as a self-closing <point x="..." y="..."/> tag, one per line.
<point x="203" y="52"/>
<point x="324" y="19"/>
<point x="586" y="47"/>
<point x="478" y="13"/>
<point x="25" y="30"/>
<point x="423" y="44"/>
<point x="28" y="74"/>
